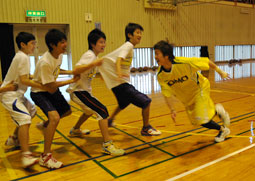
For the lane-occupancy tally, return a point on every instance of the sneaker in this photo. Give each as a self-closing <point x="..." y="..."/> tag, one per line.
<point x="150" y="131"/>
<point x="223" y="114"/>
<point x="49" y="162"/>
<point x="111" y="149"/>
<point x="28" y="160"/>
<point x="12" y="141"/>
<point x="78" y="132"/>
<point x="222" y="135"/>
<point x="111" y="123"/>
<point x="42" y="125"/>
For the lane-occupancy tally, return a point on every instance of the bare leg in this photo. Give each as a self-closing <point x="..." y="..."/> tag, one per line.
<point x="103" y="124"/>
<point x="115" y="112"/>
<point x="23" y="135"/>
<point x="146" y="115"/>
<point x="16" y="132"/>
<point x="67" y="113"/>
<point x="50" y="130"/>
<point x="81" y="120"/>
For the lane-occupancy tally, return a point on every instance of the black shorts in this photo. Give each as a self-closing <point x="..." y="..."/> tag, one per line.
<point x="126" y="94"/>
<point x="51" y="102"/>
<point x="92" y="103"/>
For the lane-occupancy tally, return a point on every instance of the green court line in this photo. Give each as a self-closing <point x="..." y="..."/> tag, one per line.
<point x="182" y="138"/>
<point x="82" y="151"/>
<point x="157" y="163"/>
<point x="144" y="142"/>
<point x="136" y="150"/>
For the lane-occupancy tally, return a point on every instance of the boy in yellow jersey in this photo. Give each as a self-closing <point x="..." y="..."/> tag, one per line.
<point x="179" y="77"/>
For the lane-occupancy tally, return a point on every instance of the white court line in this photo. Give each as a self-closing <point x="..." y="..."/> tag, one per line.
<point x="210" y="163"/>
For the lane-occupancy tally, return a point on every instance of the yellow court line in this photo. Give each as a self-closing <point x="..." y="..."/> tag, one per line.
<point x="177" y="132"/>
<point x="216" y="90"/>
<point x="7" y="164"/>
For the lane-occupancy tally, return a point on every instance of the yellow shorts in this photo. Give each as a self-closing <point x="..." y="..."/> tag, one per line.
<point x="203" y="109"/>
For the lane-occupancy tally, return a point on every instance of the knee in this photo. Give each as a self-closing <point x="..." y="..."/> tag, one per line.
<point x="67" y="113"/>
<point x="54" y="117"/>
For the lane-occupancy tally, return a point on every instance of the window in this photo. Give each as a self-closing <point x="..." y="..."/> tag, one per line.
<point x="66" y="65"/>
<point x="145" y="57"/>
<point x="223" y="53"/>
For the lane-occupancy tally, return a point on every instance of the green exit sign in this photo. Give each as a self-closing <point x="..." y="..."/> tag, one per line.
<point x="38" y="14"/>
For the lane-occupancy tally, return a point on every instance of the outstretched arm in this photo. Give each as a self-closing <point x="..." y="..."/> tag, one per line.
<point x="27" y="81"/>
<point x="224" y="75"/>
<point x="170" y="103"/>
<point x="55" y="85"/>
<point x="81" y="68"/>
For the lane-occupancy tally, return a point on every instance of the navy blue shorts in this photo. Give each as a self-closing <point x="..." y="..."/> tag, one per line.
<point x="126" y="94"/>
<point x="51" y="102"/>
<point x="92" y="103"/>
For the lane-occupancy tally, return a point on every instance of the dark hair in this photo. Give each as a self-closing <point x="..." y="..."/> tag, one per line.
<point x="166" y="49"/>
<point x="95" y="35"/>
<point x="24" y="37"/>
<point x="130" y="28"/>
<point x="53" y="37"/>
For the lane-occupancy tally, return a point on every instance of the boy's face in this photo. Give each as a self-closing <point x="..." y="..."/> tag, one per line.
<point x="136" y="37"/>
<point x="61" y="47"/>
<point x="29" y="47"/>
<point x="160" y="58"/>
<point x="100" y="46"/>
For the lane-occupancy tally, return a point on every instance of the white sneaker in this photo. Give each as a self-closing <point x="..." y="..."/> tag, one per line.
<point x="222" y="134"/>
<point x="111" y="149"/>
<point x="223" y="114"/>
<point x="49" y="162"/>
<point x="12" y="141"/>
<point x="28" y="160"/>
<point x="150" y="131"/>
<point x="78" y="132"/>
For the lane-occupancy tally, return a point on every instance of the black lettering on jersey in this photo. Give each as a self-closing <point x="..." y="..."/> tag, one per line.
<point x="179" y="80"/>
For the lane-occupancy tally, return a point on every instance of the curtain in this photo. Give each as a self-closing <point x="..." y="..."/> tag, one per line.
<point x="7" y="49"/>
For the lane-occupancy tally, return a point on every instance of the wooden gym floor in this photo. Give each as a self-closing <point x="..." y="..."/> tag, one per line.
<point x="182" y="152"/>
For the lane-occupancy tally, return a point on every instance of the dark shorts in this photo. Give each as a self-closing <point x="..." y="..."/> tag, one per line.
<point x="51" y="102"/>
<point x="126" y="94"/>
<point x="92" y="103"/>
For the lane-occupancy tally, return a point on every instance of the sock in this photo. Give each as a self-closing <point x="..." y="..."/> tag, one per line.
<point x="212" y="125"/>
<point x="108" y="142"/>
<point x="26" y="153"/>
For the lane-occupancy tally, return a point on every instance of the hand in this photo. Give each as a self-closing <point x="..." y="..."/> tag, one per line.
<point x="76" y="78"/>
<point x="173" y="116"/>
<point x="224" y="75"/>
<point x="50" y="90"/>
<point x="98" y="62"/>
<point x="11" y="86"/>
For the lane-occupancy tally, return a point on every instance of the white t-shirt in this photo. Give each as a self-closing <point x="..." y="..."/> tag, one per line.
<point x="108" y="68"/>
<point x="20" y="66"/>
<point x="46" y="70"/>
<point x="84" y="84"/>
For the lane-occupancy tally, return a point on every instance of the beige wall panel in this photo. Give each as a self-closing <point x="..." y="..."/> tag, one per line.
<point x="188" y="25"/>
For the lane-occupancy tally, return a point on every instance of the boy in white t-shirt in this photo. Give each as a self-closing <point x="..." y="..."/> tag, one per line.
<point x="53" y="104"/>
<point x="20" y="108"/>
<point x="81" y="92"/>
<point x="115" y="71"/>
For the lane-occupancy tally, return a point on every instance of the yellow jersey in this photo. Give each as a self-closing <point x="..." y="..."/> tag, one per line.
<point x="183" y="80"/>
